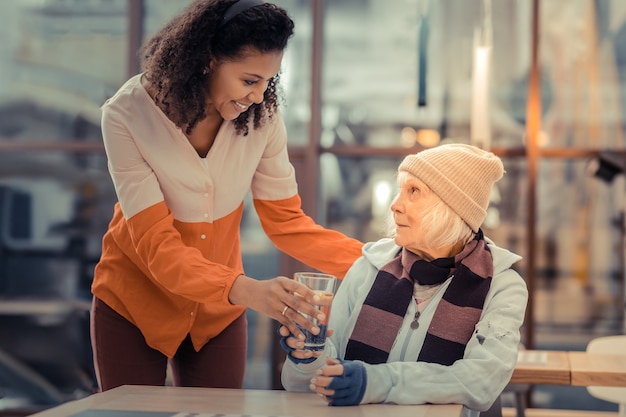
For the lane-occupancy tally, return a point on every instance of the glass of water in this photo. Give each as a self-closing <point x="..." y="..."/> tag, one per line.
<point x="324" y="286"/>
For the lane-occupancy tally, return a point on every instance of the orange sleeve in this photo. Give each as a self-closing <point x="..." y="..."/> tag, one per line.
<point x="179" y="268"/>
<point x="297" y="235"/>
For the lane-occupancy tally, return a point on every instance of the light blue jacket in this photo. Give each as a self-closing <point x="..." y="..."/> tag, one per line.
<point x="474" y="381"/>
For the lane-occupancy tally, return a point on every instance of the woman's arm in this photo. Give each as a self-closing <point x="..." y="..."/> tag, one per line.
<point x="276" y="200"/>
<point x="296" y="234"/>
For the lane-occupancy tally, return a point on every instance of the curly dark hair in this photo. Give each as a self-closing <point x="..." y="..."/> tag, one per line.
<point x="175" y="59"/>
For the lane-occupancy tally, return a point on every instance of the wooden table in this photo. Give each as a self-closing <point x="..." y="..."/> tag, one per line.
<point x="205" y="402"/>
<point x="548" y="367"/>
<point x="597" y="369"/>
<point x="552" y="367"/>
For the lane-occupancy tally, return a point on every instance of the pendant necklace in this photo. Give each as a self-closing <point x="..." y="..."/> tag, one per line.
<point x="415" y="323"/>
<point x="421" y="294"/>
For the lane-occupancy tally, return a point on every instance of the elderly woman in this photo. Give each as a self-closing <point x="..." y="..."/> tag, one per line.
<point x="432" y="315"/>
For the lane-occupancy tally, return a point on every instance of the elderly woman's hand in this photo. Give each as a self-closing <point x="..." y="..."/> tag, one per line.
<point x="294" y="346"/>
<point x="340" y="382"/>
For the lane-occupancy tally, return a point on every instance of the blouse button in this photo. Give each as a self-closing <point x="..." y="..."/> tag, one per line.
<point x="206" y="215"/>
<point x="206" y="194"/>
<point x="203" y="236"/>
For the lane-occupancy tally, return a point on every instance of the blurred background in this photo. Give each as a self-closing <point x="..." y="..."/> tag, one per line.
<point x="366" y="82"/>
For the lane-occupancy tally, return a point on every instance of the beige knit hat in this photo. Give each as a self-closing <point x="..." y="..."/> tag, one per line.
<point x="461" y="175"/>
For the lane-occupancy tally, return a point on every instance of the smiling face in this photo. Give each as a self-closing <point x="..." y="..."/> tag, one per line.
<point x="237" y="84"/>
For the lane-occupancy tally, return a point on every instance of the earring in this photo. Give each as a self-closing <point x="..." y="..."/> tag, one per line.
<point x="205" y="71"/>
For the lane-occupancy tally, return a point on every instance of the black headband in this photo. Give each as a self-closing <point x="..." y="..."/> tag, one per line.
<point x="239" y="7"/>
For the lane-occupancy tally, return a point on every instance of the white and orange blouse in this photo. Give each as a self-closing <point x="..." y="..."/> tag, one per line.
<point x="172" y="250"/>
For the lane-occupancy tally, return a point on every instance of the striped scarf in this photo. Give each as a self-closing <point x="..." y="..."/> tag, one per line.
<point x="454" y="319"/>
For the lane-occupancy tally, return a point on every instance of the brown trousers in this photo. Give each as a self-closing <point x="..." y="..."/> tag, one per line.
<point x="122" y="357"/>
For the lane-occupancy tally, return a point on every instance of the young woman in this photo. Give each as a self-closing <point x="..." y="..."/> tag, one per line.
<point x="186" y="140"/>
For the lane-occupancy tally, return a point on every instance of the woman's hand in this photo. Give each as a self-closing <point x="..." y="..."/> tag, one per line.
<point x="340" y="382"/>
<point x="325" y="375"/>
<point x="280" y="298"/>
<point x="294" y="347"/>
